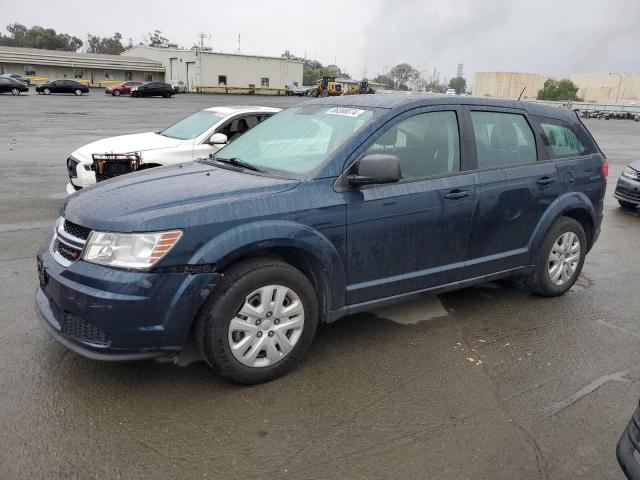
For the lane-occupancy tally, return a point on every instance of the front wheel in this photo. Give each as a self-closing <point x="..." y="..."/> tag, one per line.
<point x="78" y="92"/>
<point x="560" y="258"/>
<point x="627" y="205"/>
<point x="116" y="93"/>
<point x="15" y="91"/>
<point x="260" y="323"/>
<point x="47" y="91"/>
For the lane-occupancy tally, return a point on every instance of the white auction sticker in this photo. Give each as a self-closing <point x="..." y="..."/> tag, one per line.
<point x="345" y="111"/>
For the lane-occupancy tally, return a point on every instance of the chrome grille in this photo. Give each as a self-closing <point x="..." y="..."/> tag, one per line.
<point x="68" y="242"/>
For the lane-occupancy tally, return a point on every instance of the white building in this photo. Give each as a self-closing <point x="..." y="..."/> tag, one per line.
<point x="202" y="69"/>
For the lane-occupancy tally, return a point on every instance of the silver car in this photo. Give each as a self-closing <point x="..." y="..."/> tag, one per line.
<point x="178" y="86"/>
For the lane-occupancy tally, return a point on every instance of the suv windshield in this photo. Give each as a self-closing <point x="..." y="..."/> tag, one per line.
<point x="193" y="126"/>
<point x="297" y="140"/>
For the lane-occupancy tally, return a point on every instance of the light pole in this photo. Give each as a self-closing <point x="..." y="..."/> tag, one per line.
<point x="619" y="85"/>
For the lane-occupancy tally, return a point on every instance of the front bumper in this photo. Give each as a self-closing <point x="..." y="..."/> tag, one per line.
<point x="628" y="190"/>
<point x="113" y="314"/>
<point x="628" y="450"/>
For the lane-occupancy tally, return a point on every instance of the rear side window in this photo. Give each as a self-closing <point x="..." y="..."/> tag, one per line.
<point x="427" y="145"/>
<point x="503" y="139"/>
<point x="562" y="141"/>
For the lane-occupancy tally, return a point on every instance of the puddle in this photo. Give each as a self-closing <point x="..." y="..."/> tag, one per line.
<point x="415" y="311"/>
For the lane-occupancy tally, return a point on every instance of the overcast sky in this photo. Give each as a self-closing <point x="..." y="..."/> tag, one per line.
<point x="544" y="36"/>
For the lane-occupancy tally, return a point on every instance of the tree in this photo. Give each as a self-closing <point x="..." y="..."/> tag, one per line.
<point x="39" y="37"/>
<point x="313" y="70"/>
<point x="155" y="39"/>
<point x="459" y="84"/>
<point x="112" y="46"/>
<point x="558" y="90"/>
<point x="403" y="76"/>
<point x="384" y="79"/>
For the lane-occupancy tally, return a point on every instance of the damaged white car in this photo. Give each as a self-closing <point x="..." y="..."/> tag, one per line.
<point x="196" y="136"/>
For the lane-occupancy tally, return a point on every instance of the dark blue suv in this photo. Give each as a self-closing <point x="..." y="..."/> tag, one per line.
<point x="326" y="209"/>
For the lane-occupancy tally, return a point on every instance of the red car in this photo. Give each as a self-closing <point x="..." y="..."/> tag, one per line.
<point x="122" y="89"/>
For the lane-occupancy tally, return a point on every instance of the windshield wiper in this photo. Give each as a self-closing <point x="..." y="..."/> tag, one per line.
<point x="237" y="162"/>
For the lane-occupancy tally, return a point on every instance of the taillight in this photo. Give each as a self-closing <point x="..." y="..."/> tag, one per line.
<point x="605" y="169"/>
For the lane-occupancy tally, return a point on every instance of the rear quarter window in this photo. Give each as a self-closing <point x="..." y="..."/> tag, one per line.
<point x="563" y="140"/>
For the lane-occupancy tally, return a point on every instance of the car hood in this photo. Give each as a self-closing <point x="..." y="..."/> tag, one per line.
<point x="167" y="197"/>
<point x="137" y="142"/>
<point x="635" y="165"/>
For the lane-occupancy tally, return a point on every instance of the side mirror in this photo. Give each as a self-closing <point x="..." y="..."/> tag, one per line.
<point x="218" y="139"/>
<point x="376" y="169"/>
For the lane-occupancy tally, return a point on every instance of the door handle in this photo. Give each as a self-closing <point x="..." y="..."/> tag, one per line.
<point x="457" y="194"/>
<point x="546" y="181"/>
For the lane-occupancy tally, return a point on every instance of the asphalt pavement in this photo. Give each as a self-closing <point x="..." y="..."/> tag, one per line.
<point x="489" y="382"/>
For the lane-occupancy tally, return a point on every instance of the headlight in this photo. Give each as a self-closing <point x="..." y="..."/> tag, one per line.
<point x="630" y="173"/>
<point x="129" y="250"/>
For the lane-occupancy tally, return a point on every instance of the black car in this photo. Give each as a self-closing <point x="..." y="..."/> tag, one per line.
<point x="629" y="447"/>
<point x="628" y="188"/>
<point x="153" y="89"/>
<point x="18" y="77"/>
<point x="8" y="84"/>
<point x="62" y="86"/>
<point x="333" y="207"/>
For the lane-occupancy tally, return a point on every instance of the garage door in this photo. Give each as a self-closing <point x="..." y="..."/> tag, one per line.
<point x="173" y="67"/>
<point x="191" y="75"/>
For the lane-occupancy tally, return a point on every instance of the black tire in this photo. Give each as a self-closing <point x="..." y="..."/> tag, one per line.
<point x="116" y="93"/>
<point x="314" y="93"/>
<point x="325" y="93"/>
<point x="627" y="205"/>
<point x="46" y="91"/>
<point x="539" y="281"/>
<point x="15" y="91"/>
<point x="212" y="323"/>
<point x="78" y="92"/>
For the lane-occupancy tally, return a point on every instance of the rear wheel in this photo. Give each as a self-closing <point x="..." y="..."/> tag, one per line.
<point x="627" y="205"/>
<point x="260" y="323"/>
<point x="15" y="91"/>
<point x="560" y="258"/>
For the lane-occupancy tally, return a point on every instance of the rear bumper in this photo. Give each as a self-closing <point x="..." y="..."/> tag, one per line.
<point x="628" y="449"/>
<point x="627" y="190"/>
<point x="111" y="314"/>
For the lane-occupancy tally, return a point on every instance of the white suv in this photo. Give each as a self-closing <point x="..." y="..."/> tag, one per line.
<point x="193" y="137"/>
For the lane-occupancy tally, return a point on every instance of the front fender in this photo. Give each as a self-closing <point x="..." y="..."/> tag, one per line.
<point x="237" y="242"/>
<point x="564" y="203"/>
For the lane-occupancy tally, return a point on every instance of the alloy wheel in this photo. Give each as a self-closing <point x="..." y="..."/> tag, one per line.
<point x="267" y="326"/>
<point x="564" y="258"/>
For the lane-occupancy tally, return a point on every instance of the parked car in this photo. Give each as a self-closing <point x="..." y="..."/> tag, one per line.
<point x="450" y="91"/>
<point x="178" y="86"/>
<point x="18" y="77"/>
<point x="122" y="89"/>
<point x="293" y="89"/>
<point x="62" y="86"/>
<point x="628" y="188"/>
<point x="628" y="449"/>
<point x="196" y="136"/>
<point x="153" y="89"/>
<point x="9" y="85"/>
<point x="330" y="208"/>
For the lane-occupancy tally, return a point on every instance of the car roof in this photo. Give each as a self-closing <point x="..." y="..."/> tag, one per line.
<point x="407" y="101"/>
<point x="229" y="110"/>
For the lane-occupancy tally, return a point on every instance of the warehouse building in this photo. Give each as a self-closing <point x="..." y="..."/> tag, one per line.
<point x="91" y="68"/>
<point x="592" y="87"/>
<point x="200" y="69"/>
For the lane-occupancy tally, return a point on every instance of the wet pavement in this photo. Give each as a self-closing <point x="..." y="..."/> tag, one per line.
<point x="484" y="383"/>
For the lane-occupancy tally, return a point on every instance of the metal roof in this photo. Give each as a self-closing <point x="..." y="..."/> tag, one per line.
<point x="206" y="52"/>
<point x="35" y="56"/>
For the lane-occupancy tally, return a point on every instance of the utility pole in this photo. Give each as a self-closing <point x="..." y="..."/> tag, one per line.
<point x="201" y="35"/>
<point x="238" y="52"/>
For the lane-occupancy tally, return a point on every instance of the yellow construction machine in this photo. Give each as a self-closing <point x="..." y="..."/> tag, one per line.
<point x="326" y="87"/>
